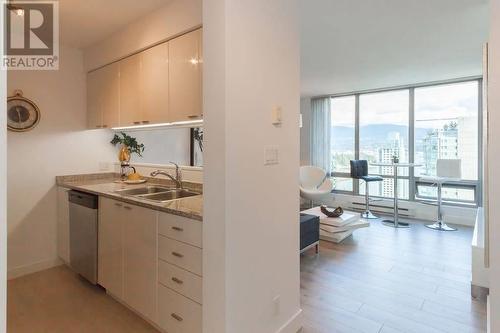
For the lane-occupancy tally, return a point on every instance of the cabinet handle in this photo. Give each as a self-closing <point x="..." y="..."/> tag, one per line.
<point x="98" y="126"/>
<point x="176" y="317"/>
<point x="177" y="229"/>
<point x="104" y="126"/>
<point x="177" y="254"/>
<point x="118" y="204"/>
<point x="176" y="280"/>
<point x="137" y="122"/>
<point x="145" y="121"/>
<point x="193" y="116"/>
<point x="127" y="207"/>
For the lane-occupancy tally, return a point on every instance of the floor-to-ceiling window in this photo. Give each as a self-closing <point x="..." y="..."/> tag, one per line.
<point x="343" y="113"/>
<point x="446" y="127"/>
<point x="420" y="124"/>
<point x="383" y="135"/>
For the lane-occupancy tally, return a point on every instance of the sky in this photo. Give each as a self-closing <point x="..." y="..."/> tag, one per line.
<point x="434" y="106"/>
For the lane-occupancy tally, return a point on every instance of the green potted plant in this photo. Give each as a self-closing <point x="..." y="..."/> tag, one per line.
<point x="129" y="145"/>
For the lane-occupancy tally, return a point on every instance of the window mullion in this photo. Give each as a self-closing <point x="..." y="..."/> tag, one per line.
<point x="411" y="144"/>
<point x="356" y="139"/>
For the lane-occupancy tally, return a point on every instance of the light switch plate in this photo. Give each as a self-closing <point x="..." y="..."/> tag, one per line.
<point x="271" y="155"/>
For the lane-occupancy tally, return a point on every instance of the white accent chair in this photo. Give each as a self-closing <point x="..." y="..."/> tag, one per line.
<point x="314" y="183"/>
<point x="446" y="170"/>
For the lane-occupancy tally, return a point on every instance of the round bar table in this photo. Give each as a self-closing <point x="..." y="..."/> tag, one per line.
<point x="395" y="222"/>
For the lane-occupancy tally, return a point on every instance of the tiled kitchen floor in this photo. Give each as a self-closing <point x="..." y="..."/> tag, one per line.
<point x="59" y="301"/>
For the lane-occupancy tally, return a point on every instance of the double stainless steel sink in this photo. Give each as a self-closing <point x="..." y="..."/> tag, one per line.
<point x="157" y="193"/>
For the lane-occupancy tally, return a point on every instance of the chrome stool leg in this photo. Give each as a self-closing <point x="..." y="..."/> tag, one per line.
<point x="367" y="214"/>
<point x="439" y="224"/>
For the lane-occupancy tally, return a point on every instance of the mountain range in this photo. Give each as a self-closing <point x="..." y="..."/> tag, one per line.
<point x="373" y="135"/>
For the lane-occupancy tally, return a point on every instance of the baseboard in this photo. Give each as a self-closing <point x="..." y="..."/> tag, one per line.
<point x="33" y="268"/>
<point x="293" y="325"/>
<point x="462" y="216"/>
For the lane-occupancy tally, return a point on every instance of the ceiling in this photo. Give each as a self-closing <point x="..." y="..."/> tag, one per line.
<point x="349" y="45"/>
<point x="85" y="22"/>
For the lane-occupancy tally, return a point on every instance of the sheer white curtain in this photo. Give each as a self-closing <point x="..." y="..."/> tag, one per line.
<point x="321" y="133"/>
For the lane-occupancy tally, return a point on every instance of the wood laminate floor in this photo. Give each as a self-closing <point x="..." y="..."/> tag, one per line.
<point x="386" y="280"/>
<point x="381" y="280"/>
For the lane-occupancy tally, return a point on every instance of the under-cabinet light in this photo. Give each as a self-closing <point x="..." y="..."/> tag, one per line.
<point x="190" y="123"/>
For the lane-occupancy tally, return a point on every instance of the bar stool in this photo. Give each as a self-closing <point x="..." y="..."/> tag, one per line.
<point x="359" y="170"/>
<point x="446" y="170"/>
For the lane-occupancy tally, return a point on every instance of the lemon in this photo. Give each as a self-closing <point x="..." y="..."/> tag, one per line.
<point x="134" y="176"/>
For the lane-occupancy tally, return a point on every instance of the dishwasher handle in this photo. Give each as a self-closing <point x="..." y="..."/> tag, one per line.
<point x="83" y="199"/>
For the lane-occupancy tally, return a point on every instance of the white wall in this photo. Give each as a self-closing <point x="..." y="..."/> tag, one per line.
<point x="3" y="193"/>
<point x="176" y="17"/>
<point x="251" y="229"/>
<point x="58" y="145"/>
<point x="494" y="163"/>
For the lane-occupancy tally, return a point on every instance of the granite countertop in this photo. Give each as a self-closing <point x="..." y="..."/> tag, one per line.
<point x="106" y="184"/>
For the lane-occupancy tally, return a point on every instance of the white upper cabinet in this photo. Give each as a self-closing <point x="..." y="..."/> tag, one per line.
<point x="158" y="85"/>
<point x="130" y="112"/>
<point x="94" y="111"/>
<point x="154" y="84"/>
<point x="185" y="77"/>
<point x="111" y="96"/>
<point x="103" y="93"/>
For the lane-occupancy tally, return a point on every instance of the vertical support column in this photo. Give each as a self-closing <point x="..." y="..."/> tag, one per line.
<point x="251" y="68"/>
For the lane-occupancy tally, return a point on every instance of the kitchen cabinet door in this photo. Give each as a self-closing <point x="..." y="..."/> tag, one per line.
<point x="110" y="95"/>
<point x="94" y="110"/>
<point x="130" y="108"/>
<point x="154" y="84"/>
<point x="110" y="241"/>
<point x="140" y="260"/>
<point x="185" y="77"/>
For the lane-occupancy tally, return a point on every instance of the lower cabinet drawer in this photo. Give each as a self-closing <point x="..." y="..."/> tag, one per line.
<point x="183" y="282"/>
<point x="180" y="254"/>
<point x="180" y="228"/>
<point x="178" y="314"/>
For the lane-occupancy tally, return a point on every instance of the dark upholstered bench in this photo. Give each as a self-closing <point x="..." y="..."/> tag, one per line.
<point x="309" y="232"/>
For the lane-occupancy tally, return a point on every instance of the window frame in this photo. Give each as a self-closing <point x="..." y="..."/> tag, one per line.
<point x="413" y="180"/>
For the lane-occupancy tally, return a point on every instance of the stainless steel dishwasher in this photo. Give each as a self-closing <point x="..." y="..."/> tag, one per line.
<point x="83" y="234"/>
